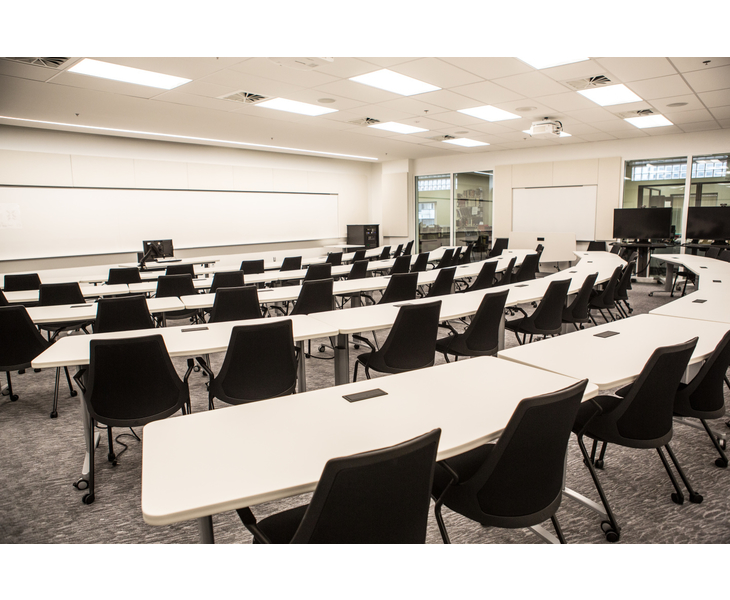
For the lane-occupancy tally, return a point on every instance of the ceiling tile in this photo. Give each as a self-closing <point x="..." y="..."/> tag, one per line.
<point x="491" y="68"/>
<point x="592" y="115"/>
<point x="412" y="105"/>
<point x="201" y="101"/>
<point x="662" y="104"/>
<point x="88" y="82"/>
<point x="447" y="99"/>
<point x="313" y="96"/>
<point x="597" y="137"/>
<point x="347" y="67"/>
<point x="629" y="133"/>
<point x="697" y="63"/>
<point x="386" y="62"/>
<point x="566" y="102"/>
<point x="634" y="69"/>
<point x="579" y="70"/>
<point x="660" y="87"/>
<point x="654" y="131"/>
<point x="709" y="79"/>
<point x="721" y="112"/>
<point x="24" y="71"/>
<point x="263" y="67"/>
<point x="188" y="67"/>
<point x="436" y="72"/>
<point x="235" y="81"/>
<point x="486" y="93"/>
<point x="532" y="84"/>
<point x="690" y="116"/>
<point x="358" y="91"/>
<point x="716" y="98"/>
<point x="700" y="126"/>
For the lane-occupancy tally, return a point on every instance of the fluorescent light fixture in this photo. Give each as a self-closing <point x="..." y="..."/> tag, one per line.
<point x="105" y="70"/>
<point x="489" y="113"/>
<point x="543" y="61"/>
<point x="391" y="81"/>
<point x="650" y="121"/>
<point x="562" y="133"/>
<point x="610" y="95"/>
<point x="397" y="127"/>
<point x="466" y="142"/>
<point x="194" y="139"/>
<point x="292" y="106"/>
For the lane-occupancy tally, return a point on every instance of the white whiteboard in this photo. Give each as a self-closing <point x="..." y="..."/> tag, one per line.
<point x="53" y="222"/>
<point x="556" y="209"/>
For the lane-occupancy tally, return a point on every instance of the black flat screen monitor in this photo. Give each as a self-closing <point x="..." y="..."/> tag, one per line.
<point x="708" y="222"/>
<point x="157" y="249"/>
<point x="642" y="223"/>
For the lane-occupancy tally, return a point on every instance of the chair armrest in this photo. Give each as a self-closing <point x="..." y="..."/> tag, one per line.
<point x="78" y="377"/>
<point x="364" y="339"/>
<point x="191" y="364"/>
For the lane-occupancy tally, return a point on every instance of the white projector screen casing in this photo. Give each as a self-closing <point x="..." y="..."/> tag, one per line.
<point x="56" y="222"/>
<point x="556" y="209"/>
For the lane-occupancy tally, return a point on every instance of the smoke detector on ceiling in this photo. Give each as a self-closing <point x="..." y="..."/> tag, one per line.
<point x="50" y="62"/>
<point x="244" y="97"/>
<point x="302" y="64"/>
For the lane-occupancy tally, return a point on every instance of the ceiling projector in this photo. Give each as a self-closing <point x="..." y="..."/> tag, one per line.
<point x="546" y="129"/>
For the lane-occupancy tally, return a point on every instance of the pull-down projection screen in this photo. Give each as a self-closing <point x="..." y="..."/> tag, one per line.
<point x="555" y="210"/>
<point x="40" y="222"/>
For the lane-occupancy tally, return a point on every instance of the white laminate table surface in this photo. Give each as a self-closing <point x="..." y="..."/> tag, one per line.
<point x="86" y="312"/>
<point x="707" y="304"/>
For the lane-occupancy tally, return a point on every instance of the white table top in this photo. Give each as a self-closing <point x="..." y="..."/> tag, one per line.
<point x="707" y="304"/>
<point x="89" y="291"/>
<point x="615" y="361"/>
<point x="276" y="448"/>
<point x="190" y="340"/>
<point x="713" y="273"/>
<point x="87" y="312"/>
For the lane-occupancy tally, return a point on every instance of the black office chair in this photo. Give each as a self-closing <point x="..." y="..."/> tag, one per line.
<point x="3" y="299"/>
<point x="291" y="263"/>
<point x="384" y="254"/>
<point x="500" y="244"/>
<point x="402" y="264"/>
<point x="227" y="279"/>
<point x="56" y="294"/>
<point x="175" y="286"/>
<point x="604" y="300"/>
<point x="123" y="313"/>
<point x="318" y="271"/>
<point x="359" y="255"/>
<point x="724" y="255"/>
<point x="639" y="416"/>
<point x="411" y="343"/>
<point x="466" y="256"/>
<point x="398" y="251"/>
<point x="315" y="296"/>
<point x="518" y="481"/>
<point x="527" y="270"/>
<point x="455" y="257"/>
<point x="401" y="288"/>
<point x="596" y="246"/>
<point x="481" y="337"/>
<point x="621" y="294"/>
<point x="252" y="267"/>
<point x="442" y="285"/>
<point x="180" y="270"/>
<point x="420" y="264"/>
<point x="359" y="270"/>
<point x="235" y="304"/>
<point x="408" y="250"/>
<point x="260" y="363"/>
<point x="506" y="277"/>
<point x="702" y="398"/>
<point x="577" y="311"/>
<point x="616" y="249"/>
<point x="123" y="275"/>
<point x="130" y="382"/>
<point x="334" y="258"/>
<point x="547" y="318"/>
<point x="485" y="279"/>
<point x="21" y="283"/>
<point x="444" y="261"/>
<point x="377" y="497"/>
<point x="712" y="252"/>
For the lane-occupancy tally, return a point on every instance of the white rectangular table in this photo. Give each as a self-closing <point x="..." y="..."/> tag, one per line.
<point x="707" y="304"/>
<point x="87" y="312"/>
<point x="277" y="448"/>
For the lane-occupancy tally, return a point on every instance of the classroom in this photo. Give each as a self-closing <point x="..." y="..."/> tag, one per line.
<point x="488" y="149"/>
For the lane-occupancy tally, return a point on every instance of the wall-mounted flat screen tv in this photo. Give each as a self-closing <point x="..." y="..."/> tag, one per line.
<point x="642" y="223"/>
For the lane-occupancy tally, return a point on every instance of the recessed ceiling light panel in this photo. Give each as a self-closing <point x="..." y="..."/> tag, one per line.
<point x="397" y="127"/>
<point x="105" y="70"/>
<point x="545" y="61"/>
<point x="610" y="95"/>
<point x="489" y="113"/>
<point x="300" y="108"/>
<point x="466" y="142"/>
<point x="650" y="121"/>
<point x="391" y="81"/>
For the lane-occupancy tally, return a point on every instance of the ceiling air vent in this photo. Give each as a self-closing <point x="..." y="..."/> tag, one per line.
<point x="243" y="97"/>
<point x="644" y="112"/>
<point x="364" y="122"/>
<point x="588" y="82"/>
<point x="441" y="138"/>
<point x="53" y="63"/>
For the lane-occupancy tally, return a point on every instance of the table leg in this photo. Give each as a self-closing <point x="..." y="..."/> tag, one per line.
<point x="205" y="530"/>
<point x="669" y="277"/>
<point x="501" y="332"/>
<point x="355" y="301"/>
<point x="342" y="359"/>
<point x="301" y="369"/>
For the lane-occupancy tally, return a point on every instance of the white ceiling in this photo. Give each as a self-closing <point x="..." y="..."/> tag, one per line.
<point x="66" y="99"/>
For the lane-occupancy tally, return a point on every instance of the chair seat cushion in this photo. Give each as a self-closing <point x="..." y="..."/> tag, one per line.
<point x="465" y="465"/>
<point x="281" y="527"/>
<point x="514" y="324"/>
<point x="587" y="410"/>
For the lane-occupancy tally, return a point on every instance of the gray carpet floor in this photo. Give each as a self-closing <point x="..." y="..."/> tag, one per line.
<point x="40" y="458"/>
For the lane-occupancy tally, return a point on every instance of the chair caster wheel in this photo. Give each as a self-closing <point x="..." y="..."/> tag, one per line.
<point x="599" y="464"/>
<point x="196" y="368"/>
<point x="74" y="393"/>
<point x="54" y="415"/>
<point x="21" y="371"/>
<point x="88" y="499"/>
<point x="677" y="498"/>
<point x="321" y="348"/>
<point x="696" y="498"/>
<point x="611" y="534"/>
<point x="357" y="347"/>
<point x="36" y="370"/>
<point x="81" y="484"/>
<point x="721" y="462"/>
<point x="14" y="398"/>
<point x="651" y="294"/>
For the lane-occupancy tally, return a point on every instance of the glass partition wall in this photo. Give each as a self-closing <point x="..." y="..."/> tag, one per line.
<point x="473" y="208"/>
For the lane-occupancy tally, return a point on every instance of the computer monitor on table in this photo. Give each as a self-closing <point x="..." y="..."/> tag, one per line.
<point x="642" y="223"/>
<point x="154" y="249"/>
<point x="708" y="222"/>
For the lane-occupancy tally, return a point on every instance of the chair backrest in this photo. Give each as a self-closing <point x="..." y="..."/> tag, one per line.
<point x="482" y="334"/>
<point x="606" y="298"/>
<point x="644" y="417"/>
<point x="180" y="270"/>
<point x="443" y="283"/>
<point x="517" y="486"/>
<point x="547" y="318"/>
<point x="705" y="393"/>
<point x="420" y="263"/>
<point x="444" y="261"/>
<point x="455" y="257"/>
<point x="334" y="258"/>
<point x="485" y="279"/>
<point x="506" y="276"/>
<point x="20" y="340"/>
<point x="3" y="299"/>
<point x="318" y="271"/>
<point x="411" y="343"/>
<point x="359" y="255"/>
<point x="260" y="363"/>
<point x="169" y="286"/>
<point x="712" y="252"/>
<point x="409" y="248"/>
<point x="315" y="296"/>
<point x="578" y="308"/>
<point x="235" y="304"/>
<point x="398" y="251"/>
<point x="132" y="382"/>
<point x="615" y="249"/>
<point x="122" y="314"/>
<point x="539" y="250"/>
<point x="359" y="270"/>
<point x="378" y="497"/>
<point x="624" y="282"/>
<point x="466" y="256"/>
<point x="527" y="270"/>
<point x="123" y="275"/>
<point x="384" y="253"/>
<point x="402" y="264"/>
<point x="401" y="287"/>
<point x="291" y="263"/>
<point x="53" y="294"/>
<point x="21" y="283"/>
<point x="500" y="244"/>
<point x="226" y="279"/>
<point x="252" y="267"/>
<point x="724" y="255"/>
<point x="595" y="246"/>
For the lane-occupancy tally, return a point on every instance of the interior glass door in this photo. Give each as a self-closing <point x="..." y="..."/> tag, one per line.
<point x="433" y="210"/>
<point x="473" y="195"/>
